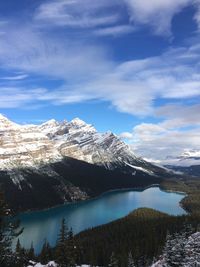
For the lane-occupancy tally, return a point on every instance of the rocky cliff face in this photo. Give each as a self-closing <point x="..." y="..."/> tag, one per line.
<point x="34" y="145"/>
<point x="28" y="152"/>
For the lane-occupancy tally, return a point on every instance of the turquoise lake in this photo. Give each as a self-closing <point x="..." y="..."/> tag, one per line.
<point x="41" y="225"/>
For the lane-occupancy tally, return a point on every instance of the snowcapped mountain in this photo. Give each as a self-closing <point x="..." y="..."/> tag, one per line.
<point x="35" y="145"/>
<point x="71" y="159"/>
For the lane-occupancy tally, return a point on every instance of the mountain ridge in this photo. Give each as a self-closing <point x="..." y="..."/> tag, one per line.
<point x="32" y="145"/>
<point x="57" y="162"/>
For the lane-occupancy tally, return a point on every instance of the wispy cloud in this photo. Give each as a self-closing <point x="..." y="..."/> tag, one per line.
<point x="76" y="13"/>
<point x="156" y="14"/>
<point x="132" y="87"/>
<point x="15" y="78"/>
<point x="19" y="97"/>
<point x="88" y="72"/>
<point x="115" y="30"/>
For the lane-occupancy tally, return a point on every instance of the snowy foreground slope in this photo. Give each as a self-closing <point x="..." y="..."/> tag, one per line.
<point x="56" y="162"/>
<point x="182" y="253"/>
<point x="51" y="264"/>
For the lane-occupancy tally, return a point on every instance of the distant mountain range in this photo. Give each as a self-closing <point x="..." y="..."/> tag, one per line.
<point x="186" y="159"/>
<point x="193" y="170"/>
<point x="56" y="162"/>
<point x="188" y="163"/>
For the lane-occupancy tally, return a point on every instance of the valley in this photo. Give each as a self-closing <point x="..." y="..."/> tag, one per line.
<point x="89" y="214"/>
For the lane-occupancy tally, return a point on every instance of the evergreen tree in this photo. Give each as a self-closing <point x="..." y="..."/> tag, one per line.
<point x="174" y="250"/>
<point x="141" y="261"/>
<point x="8" y="231"/>
<point x="31" y="253"/>
<point x="192" y="251"/>
<point x="4" y="239"/>
<point x="130" y="260"/>
<point x="46" y="253"/>
<point x="167" y="251"/>
<point x="20" y="257"/>
<point x="61" y="253"/>
<point x="113" y="261"/>
<point x="71" y="248"/>
<point x="179" y="249"/>
<point x="188" y="229"/>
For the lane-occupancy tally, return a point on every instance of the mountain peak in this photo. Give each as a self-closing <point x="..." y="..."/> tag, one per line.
<point x="51" y="122"/>
<point x="5" y="122"/>
<point x="78" y="122"/>
<point x="2" y="117"/>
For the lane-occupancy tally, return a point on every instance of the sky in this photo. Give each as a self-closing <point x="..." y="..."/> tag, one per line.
<point x="129" y="66"/>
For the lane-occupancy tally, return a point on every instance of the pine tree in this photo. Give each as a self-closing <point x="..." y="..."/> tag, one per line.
<point x="20" y="255"/>
<point x="31" y="253"/>
<point x="61" y="253"/>
<point x="174" y="250"/>
<point x="46" y="253"/>
<point x="167" y="251"/>
<point x="192" y="251"/>
<point x="71" y="248"/>
<point x="130" y="260"/>
<point x="8" y="231"/>
<point x="141" y="261"/>
<point x="179" y="249"/>
<point x="113" y="261"/>
<point x="4" y="240"/>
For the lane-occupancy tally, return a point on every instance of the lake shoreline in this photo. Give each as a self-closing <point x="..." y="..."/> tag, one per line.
<point x="108" y="207"/>
<point x="139" y="189"/>
<point x="89" y="199"/>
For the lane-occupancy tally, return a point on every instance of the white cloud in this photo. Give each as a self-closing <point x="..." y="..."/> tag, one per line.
<point x="167" y="140"/>
<point x="76" y="13"/>
<point x="126" y="135"/>
<point x="197" y="14"/>
<point x="155" y="13"/>
<point x="15" y="78"/>
<point x="87" y="71"/>
<point x="19" y="97"/>
<point x="154" y="142"/>
<point x="115" y="30"/>
<point x="179" y="116"/>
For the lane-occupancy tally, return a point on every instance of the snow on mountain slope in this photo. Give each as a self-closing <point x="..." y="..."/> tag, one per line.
<point x="57" y="162"/>
<point x="34" y="145"/>
<point x="7" y="124"/>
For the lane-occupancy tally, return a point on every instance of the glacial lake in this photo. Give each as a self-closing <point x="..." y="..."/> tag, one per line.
<point x="41" y="225"/>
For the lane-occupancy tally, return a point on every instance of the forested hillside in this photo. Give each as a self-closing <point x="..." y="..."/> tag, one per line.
<point x="143" y="233"/>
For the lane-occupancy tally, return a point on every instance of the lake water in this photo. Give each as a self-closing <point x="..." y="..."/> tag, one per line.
<point x="42" y="225"/>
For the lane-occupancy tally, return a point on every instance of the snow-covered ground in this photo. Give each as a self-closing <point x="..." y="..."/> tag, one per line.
<point x="190" y="253"/>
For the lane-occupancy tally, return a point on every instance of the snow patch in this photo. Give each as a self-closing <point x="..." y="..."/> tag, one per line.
<point x="140" y="168"/>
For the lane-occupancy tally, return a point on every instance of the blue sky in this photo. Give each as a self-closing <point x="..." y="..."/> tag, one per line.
<point x="129" y="66"/>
